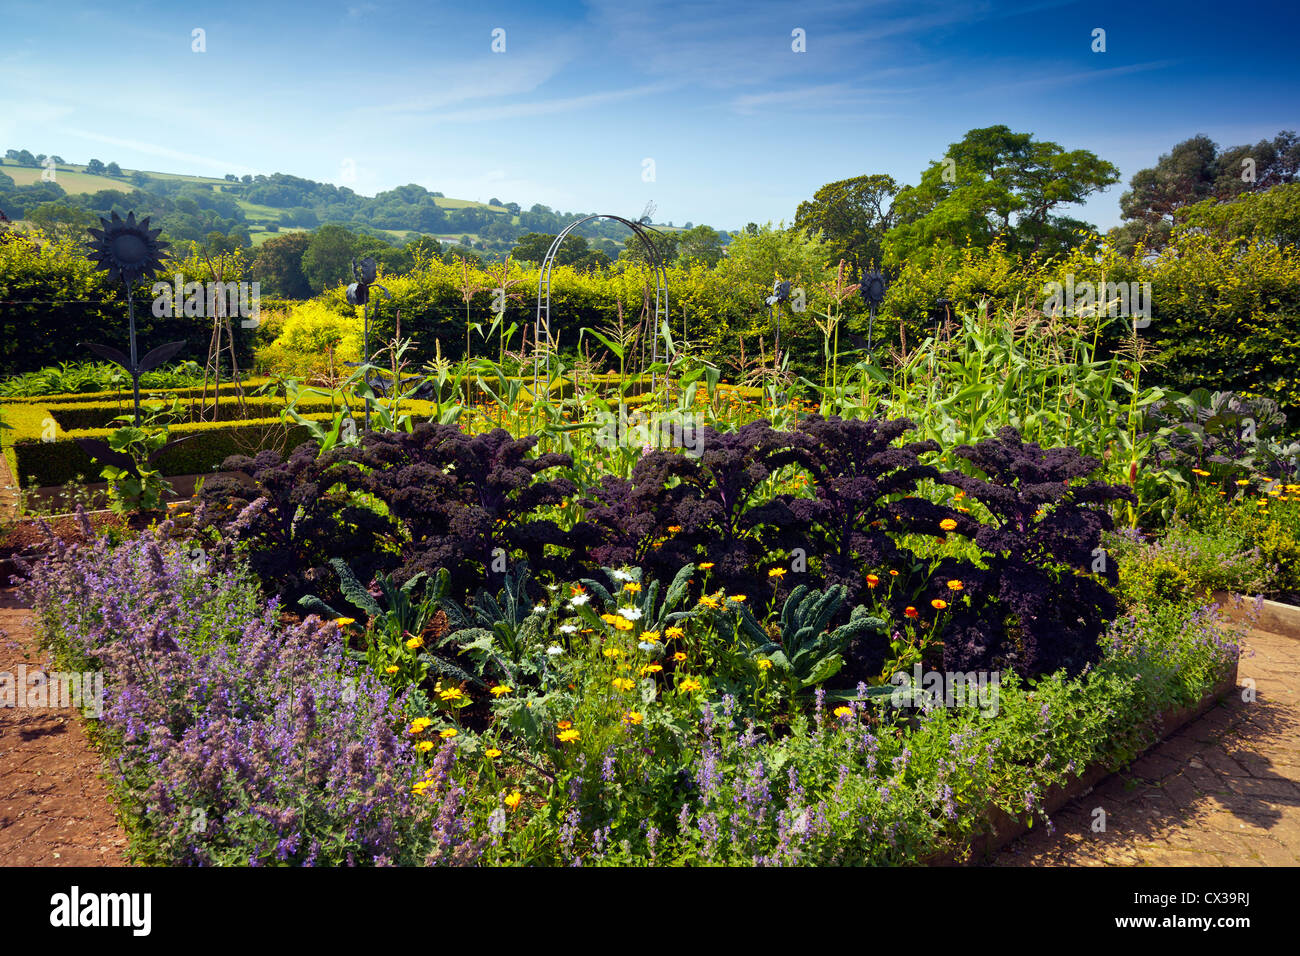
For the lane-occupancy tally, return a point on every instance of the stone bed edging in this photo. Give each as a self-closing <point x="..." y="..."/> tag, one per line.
<point x="1008" y="828"/>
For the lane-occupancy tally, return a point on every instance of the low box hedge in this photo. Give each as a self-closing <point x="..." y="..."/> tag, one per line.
<point x="41" y="451"/>
<point x="73" y="416"/>
<point x="68" y="398"/>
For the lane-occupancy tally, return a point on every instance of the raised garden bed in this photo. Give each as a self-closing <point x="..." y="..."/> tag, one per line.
<point x="1006" y="829"/>
<point x="1272" y="616"/>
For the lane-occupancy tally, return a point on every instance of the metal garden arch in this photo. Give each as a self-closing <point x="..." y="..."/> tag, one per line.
<point x="543" y="323"/>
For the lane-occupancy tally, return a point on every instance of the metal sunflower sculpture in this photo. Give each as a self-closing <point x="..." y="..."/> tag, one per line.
<point x="130" y="251"/>
<point x="872" y="288"/>
<point x="359" y="294"/>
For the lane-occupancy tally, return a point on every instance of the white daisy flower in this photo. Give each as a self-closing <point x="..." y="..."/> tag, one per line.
<point x="578" y="600"/>
<point x="568" y="629"/>
<point x="622" y="575"/>
<point x="539" y="609"/>
<point x="555" y="650"/>
<point x="631" y="613"/>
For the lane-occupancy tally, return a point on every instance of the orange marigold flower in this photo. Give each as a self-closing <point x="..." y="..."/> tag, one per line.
<point x="911" y="612"/>
<point x="948" y="524"/>
<point x="938" y="604"/>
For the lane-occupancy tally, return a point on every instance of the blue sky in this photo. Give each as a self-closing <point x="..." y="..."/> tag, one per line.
<point x="740" y="127"/>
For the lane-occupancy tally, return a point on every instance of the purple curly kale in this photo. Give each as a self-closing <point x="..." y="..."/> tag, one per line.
<point x="1036" y="606"/>
<point x="451" y="499"/>
<point x="721" y="501"/>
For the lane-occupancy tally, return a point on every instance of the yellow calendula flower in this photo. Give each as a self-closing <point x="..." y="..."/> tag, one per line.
<point x="514" y="799"/>
<point x="492" y="753"/>
<point x="419" y="725"/>
<point x="765" y="665"/>
<point x="709" y="601"/>
<point x="564" y="724"/>
<point x="415" y="642"/>
<point x="673" y="632"/>
<point x="650" y="637"/>
<point x="569" y="736"/>
<point x="938" y="604"/>
<point x="955" y="585"/>
<point x="674" y="528"/>
<point x="1201" y="472"/>
<point x="776" y="573"/>
<point x="737" y="598"/>
<point x="948" y="524"/>
<point x="610" y="618"/>
<point x="500" y="690"/>
<point x="1243" y="482"/>
<point x="633" y="717"/>
<point x="424" y="746"/>
<point x="391" y="669"/>
<point x="451" y="693"/>
<point x="611" y="652"/>
<point x="448" y="733"/>
<point x="623" y="624"/>
<point x="705" y="565"/>
<point x="419" y="788"/>
<point x="651" y="669"/>
<point x="872" y="580"/>
<point x="843" y="712"/>
<point x="623" y="683"/>
<point x="689" y="686"/>
<point x="679" y="656"/>
<point x="345" y="621"/>
<point x="632" y="587"/>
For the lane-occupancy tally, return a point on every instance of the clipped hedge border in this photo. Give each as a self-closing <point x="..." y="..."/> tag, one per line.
<point x="69" y="398"/>
<point x="49" y="463"/>
<point x="59" y="460"/>
<point x="78" y="416"/>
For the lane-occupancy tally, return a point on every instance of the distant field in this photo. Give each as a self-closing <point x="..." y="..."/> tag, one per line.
<point x="67" y="177"/>
<point x="261" y="236"/>
<point x="253" y="211"/>
<point x="465" y="203"/>
<point x="202" y="180"/>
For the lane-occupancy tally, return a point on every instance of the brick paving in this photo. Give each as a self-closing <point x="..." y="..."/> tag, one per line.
<point x="54" y="803"/>
<point x="1222" y="791"/>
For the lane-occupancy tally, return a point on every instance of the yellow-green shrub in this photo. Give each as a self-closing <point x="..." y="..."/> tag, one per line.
<point x="309" y="332"/>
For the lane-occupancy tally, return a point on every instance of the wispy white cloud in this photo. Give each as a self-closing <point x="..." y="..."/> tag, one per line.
<point x="824" y="96"/>
<point x="1043" y="80"/>
<point x="163" y="152"/>
<point x="566" y="104"/>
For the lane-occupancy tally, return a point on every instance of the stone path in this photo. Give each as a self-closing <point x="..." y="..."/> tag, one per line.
<point x="1223" y="791"/>
<point x="54" y="805"/>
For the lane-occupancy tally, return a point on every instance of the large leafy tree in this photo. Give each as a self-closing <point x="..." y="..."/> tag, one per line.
<point x="574" y="251"/>
<point x="278" y="266"/>
<point x="328" y="258"/>
<point x="1195" y="171"/>
<point x="997" y="184"/>
<point x="700" y="244"/>
<point x="851" y="216"/>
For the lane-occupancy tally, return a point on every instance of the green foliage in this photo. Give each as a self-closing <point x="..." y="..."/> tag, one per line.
<point x="399" y="624"/>
<point x="852" y="217"/>
<point x="996" y="184"/>
<point x="803" y="649"/>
